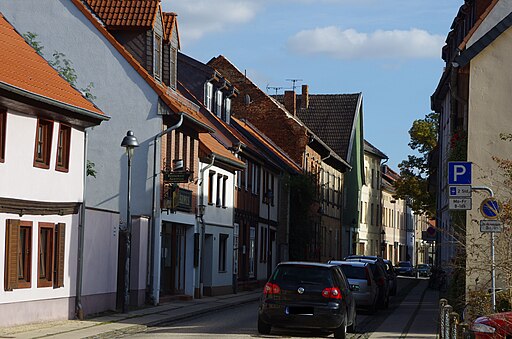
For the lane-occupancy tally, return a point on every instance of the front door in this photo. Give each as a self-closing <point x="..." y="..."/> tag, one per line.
<point x="173" y="259"/>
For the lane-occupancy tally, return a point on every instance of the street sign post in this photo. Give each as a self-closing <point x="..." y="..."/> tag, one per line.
<point x="458" y="204"/>
<point x="491" y="226"/>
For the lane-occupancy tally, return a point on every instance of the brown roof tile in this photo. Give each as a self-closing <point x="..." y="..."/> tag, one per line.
<point x="23" y="68"/>
<point x="217" y="148"/>
<point x="125" y="13"/>
<point x="170" y="22"/>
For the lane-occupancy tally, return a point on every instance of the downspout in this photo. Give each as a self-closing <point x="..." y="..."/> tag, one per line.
<point x="201" y="208"/>
<point x="79" y="312"/>
<point x="153" y="293"/>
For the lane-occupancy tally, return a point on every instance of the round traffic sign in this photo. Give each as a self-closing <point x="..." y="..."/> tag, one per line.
<point x="490" y="208"/>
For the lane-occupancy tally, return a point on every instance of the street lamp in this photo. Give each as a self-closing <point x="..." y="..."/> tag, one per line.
<point x="269" y="195"/>
<point x="382" y="242"/>
<point x="129" y="143"/>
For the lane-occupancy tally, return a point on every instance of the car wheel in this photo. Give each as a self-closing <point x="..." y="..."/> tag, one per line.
<point x="341" y="332"/>
<point x="263" y="327"/>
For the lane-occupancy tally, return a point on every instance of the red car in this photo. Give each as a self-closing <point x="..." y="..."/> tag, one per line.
<point x="494" y="326"/>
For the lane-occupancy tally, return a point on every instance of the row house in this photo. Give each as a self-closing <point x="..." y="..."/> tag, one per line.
<point x="257" y="188"/>
<point x="395" y="219"/>
<point x="281" y="124"/>
<point x="337" y="119"/>
<point x="140" y="98"/>
<point x="367" y="237"/>
<point x="43" y="120"/>
<point x="473" y="99"/>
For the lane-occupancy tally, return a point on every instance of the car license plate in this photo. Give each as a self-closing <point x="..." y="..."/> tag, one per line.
<point x="299" y="310"/>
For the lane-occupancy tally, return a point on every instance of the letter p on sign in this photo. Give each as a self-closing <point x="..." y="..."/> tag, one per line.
<point x="459" y="173"/>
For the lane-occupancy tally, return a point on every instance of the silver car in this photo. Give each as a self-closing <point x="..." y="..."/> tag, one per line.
<point x="363" y="285"/>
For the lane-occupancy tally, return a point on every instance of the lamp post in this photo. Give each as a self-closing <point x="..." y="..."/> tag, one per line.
<point x="129" y="143"/>
<point x="270" y="195"/>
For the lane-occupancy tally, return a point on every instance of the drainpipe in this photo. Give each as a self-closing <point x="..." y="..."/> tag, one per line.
<point x="79" y="312"/>
<point x="201" y="209"/>
<point x="154" y="259"/>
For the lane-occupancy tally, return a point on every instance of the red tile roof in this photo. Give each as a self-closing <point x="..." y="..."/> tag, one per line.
<point x="125" y="13"/>
<point x="170" y="23"/>
<point x="218" y="149"/>
<point x="172" y="101"/>
<point x="24" y="69"/>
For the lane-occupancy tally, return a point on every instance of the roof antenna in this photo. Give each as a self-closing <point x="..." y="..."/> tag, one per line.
<point x="274" y="88"/>
<point x="293" y="82"/>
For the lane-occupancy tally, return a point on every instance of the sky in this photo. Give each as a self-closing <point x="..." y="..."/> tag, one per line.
<point x="389" y="50"/>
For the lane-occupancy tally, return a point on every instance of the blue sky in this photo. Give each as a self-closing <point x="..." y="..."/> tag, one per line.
<point x="390" y="50"/>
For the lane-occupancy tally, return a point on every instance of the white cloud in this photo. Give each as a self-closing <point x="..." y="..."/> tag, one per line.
<point x="200" y="17"/>
<point x="350" y="44"/>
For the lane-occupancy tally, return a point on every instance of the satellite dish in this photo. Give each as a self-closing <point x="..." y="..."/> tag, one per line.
<point x="247" y="99"/>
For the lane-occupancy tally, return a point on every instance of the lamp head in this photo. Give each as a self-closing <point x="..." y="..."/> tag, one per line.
<point x="129" y="142"/>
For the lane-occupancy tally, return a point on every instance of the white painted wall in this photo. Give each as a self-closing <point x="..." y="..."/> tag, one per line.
<point x="19" y="179"/>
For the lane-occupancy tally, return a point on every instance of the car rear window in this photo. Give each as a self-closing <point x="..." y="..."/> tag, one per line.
<point x="302" y="274"/>
<point x="353" y="272"/>
<point x="404" y="264"/>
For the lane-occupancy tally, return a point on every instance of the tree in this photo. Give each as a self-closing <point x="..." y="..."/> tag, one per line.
<point x="415" y="171"/>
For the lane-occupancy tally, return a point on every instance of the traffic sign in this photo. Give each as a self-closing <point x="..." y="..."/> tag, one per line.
<point x="460" y="191"/>
<point x="460" y="204"/>
<point x="491" y="226"/>
<point x="490" y="208"/>
<point x="459" y="173"/>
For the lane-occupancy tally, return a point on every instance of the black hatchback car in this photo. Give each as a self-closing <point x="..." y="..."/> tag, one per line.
<point x="305" y="295"/>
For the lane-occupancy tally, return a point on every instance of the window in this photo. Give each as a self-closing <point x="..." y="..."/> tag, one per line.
<point x="208" y="95"/>
<point x="172" y="76"/>
<point x="223" y="241"/>
<point x="43" y="144"/>
<point x="192" y="157"/>
<point x="263" y="245"/>
<point x="63" y="146"/>
<point x="218" y="201"/>
<point x="252" y="250"/>
<point x="224" y="184"/>
<point x="3" y="119"/>
<point x="218" y="103"/>
<point x="157" y="69"/>
<point x="18" y="251"/>
<point x="227" y="104"/>
<point x="236" y="240"/>
<point x="45" y="255"/>
<point x="211" y="175"/>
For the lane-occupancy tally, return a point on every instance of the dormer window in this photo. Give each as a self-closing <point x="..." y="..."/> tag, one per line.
<point x="227" y="107"/>
<point x="157" y="69"/>
<point x="218" y="103"/>
<point x="208" y="95"/>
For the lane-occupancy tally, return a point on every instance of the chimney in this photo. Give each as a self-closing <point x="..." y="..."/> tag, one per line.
<point x="304" y="103"/>
<point x="289" y="102"/>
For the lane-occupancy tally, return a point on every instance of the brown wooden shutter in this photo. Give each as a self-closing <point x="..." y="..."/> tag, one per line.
<point x="12" y="240"/>
<point x="60" y="232"/>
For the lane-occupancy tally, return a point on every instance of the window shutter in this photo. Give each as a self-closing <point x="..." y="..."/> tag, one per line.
<point x="11" y="254"/>
<point x="60" y="232"/>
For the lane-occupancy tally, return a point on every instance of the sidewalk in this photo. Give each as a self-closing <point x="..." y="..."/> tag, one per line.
<point x="416" y="317"/>
<point x="113" y="325"/>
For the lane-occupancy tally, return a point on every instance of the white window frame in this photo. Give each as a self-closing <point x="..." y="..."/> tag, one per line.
<point x="208" y="95"/>
<point x="218" y="103"/>
<point x="157" y="57"/>
<point x="227" y="108"/>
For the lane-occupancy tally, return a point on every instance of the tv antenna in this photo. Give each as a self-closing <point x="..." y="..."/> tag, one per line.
<point x="274" y="88"/>
<point x="293" y="82"/>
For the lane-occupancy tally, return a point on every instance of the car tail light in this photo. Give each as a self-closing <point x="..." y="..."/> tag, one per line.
<point x="368" y="279"/>
<point x="271" y="289"/>
<point x="331" y="293"/>
<point x="481" y="328"/>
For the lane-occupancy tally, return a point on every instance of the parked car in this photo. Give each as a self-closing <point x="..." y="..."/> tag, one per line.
<point x="393" y="283"/>
<point x="362" y="283"/>
<point x="305" y="295"/>
<point x="405" y="268"/>
<point x="381" y="278"/>
<point x="494" y="326"/>
<point x="423" y="270"/>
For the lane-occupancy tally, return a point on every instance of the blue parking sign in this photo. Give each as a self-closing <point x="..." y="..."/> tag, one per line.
<point x="459" y="173"/>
